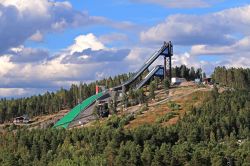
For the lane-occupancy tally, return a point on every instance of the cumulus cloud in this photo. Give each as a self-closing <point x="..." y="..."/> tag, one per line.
<point x="223" y="34"/>
<point x="25" y="19"/>
<point x="234" y="55"/>
<point x="87" y="59"/>
<point x="84" y="42"/>
<point x="27" y="55"/>
<point x="240" y="46"/>
<point x="41" y="6"/>
<point x="6" y="65"/>
<point x="139" y="54"/>
<point x="88" y="48"/>
<point x="103" y="55"/>
<point x="21" y="19"/>
<point x="177" y="3"/>
<point x="216" y="28"/>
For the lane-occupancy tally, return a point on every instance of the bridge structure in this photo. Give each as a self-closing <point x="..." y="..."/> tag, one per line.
<point x="83" y="112"/>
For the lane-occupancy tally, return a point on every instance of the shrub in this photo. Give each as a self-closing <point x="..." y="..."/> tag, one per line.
<point x="125" y="120"/>
<point x="166" y="117"/>
<point x="174" y="106"/>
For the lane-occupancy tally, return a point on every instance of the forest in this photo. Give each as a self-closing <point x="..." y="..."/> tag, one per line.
<point x="238" y="78"/>
<point x="52" y="102"/>
<point x="216" y="133"/>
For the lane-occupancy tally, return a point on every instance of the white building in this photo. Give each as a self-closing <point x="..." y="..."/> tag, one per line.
<point x="197" y="80"/>
<point x="177" y="80"/>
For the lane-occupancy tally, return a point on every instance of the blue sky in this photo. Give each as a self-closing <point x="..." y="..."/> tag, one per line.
<point x="45" y="45"/>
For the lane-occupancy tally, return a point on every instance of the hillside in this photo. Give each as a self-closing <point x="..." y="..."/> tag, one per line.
<point x="186" y="125"/>
<point x="214" y="131"/>
<point x="184" y="96"/>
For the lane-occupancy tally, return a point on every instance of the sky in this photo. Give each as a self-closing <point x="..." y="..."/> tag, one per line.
<point x="49" y="44"/>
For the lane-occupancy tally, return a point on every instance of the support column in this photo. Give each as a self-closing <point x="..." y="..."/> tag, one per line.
<point x="170" y="54"/>
<point x="170" y="70"/>
<point x="165" y="67"/>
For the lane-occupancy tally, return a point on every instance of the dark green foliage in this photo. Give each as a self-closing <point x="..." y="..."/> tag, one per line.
<point x="187" y="73"/>
<point x="96" y="112"/>
<point x="132" y="97"/>
<point x="152" y="88"/>
<point x="125" y="120"/>
<point x="112" y="106"/>
<point x="125" y="101"/>
<point x="215" y="134"/>
<point x="238" y="78"/>
<point x="119" y="122"/>
<point x="166" y="117"/>
<point x="174" y="106"/>
<point x="141" y="97"/>
<point x="166" y="84"/>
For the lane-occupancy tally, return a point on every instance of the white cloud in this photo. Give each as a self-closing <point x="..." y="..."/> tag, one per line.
<point x="50" y="74"/>
<point x="235" y="55"/>
<point x="193" y="61"/>
<point x="6" y="65"/>
<point x="240" y="46"/>
<point x="210" y="50"/>
<point x="25" y="19"/>
<point x="22" y="19"/>
<point x="137" y="56"/>
<point x="30" y="73"/>
<point x="216" y="28"/>
<point x="23" y="54"/>
<point x="84" y="42"/>
<point x="37" y="7"/>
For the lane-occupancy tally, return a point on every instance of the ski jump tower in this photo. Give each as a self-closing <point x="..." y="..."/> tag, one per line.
<point x="83" y="112"/>
<point x="167" y="52"/>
